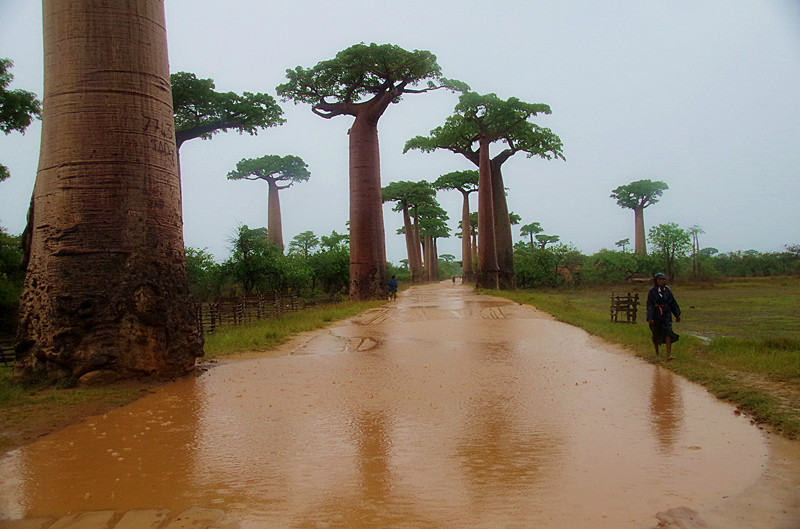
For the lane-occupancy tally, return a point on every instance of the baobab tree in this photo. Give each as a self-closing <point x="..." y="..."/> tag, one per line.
<point x="544" y="240"/>
<point x="106" y="293"/>
<point x="478" y="121"/>
<point x="18" y="108"/>
<point x="623" y="243"/>
<point x="274" y="170"/>
<point x="531" y="229"/>
<point x="465" y="182"/>
<point x="408" y="197"/>
<point x="202" y="112"/>
<point x="695" y="231"/>
<point x="362" y="81"/>
<point x="432" y="220"/>
<point x="637" y="196"/>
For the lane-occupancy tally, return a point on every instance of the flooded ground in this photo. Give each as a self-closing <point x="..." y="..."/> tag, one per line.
<point x="443" y="409"/>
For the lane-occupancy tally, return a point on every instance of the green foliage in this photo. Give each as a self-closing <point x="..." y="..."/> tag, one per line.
<point x="11" y="276"/>
<point x="206" y="277"/>
<point x="303" y="243"/>
<point x="540" y="267"/>
<point x="671" y="242"/>
<point x="433" y="220"/>
<point x="544" y="240"/>
<point x="408" y="194"/>
<point x="497" y="120"/>
<point x="463" y="181"/>
<point x="331" y="265"/>
<point x="639" y="194"/>
<point x="363" y="72"/>
<point x="289" y="168"/>
<point x="201" y="112"/>
<point x="268" y="333"/>
<point x="259" y="265"/>
<point x="18" y="108"/>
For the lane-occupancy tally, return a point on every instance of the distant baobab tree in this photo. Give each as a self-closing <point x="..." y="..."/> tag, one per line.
<point x="479" y="121"/>
<point x="273" y="170"/>
<point x="623" y="243"/>
<point x="531" y="229"/>
<point x="106" y="293"/>
<point x="408" y="197"/>
<point x="465" y="182"/>
<point x="362" y="81"/>
<point x="637" y="196"/>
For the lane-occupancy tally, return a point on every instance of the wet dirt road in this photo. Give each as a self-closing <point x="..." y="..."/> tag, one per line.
<point x="443" y="409"/>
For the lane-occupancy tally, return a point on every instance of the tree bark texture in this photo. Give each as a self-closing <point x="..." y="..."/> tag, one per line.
<point x="466" y="247"/>
<point x="367" y="238"/>
<point x="640" y="244"/>
<point x="487" y="249"/>
<point x="106" y="288"/>
<point x="412" y="248"/>
<point x="504" y="242"/>
<point x="274" y="226"/>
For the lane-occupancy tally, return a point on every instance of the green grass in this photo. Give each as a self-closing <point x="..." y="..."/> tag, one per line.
<point x="740" y="339"/>
<point x="271" y="332"/>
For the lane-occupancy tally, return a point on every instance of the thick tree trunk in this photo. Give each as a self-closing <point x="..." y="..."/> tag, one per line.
<point x="367" y="238"/>
<point x="487" y="249"/>
<point x="412" y="249"/>
<point x="106" y="290"/>
<point x="466" y="247"/>
<point x="435" y="259"/>
<point x="274" y="227"/>
<point x="640" y="246"/>
<point x="502" y="231"/>
<point x="430" y="260"/>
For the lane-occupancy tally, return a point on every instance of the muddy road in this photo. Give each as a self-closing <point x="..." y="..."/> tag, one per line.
<point x="443" y="409"/>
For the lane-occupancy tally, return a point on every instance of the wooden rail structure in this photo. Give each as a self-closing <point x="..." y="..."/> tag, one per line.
<point x="239" y="311"/>
<point x="624" y="305"/>
<point x="7" y="354"/>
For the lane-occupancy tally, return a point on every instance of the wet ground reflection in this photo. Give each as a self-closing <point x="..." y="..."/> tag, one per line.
<point x="443" y="409"/>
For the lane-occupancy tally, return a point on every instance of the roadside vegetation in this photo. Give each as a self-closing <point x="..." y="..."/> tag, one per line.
<point x="739" y="338"/>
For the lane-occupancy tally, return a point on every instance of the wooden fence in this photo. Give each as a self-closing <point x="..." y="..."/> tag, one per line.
<point x="624" y="305"/>
<point x="238" y="311"/>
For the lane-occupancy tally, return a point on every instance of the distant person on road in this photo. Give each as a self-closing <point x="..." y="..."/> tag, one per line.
<point x="661" y="305"/>
<point x="392" y="285"/>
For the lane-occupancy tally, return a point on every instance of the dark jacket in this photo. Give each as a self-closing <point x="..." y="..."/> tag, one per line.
<point x="661" y="305"/>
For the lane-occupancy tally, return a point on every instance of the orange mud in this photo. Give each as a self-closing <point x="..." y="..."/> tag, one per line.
<point x="443" y="409"/>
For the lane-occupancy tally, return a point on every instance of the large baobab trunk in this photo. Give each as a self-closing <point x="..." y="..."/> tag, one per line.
<point x="106" y="289"/>
<point x="466" y="247"/>
<point x="412" y="248"/>
<point x="367" y="239"/>
<point x="487" y="249"/>
<point x="274" y="227"/>
<point x="640" y="246"/>
<point x="504" y="242"/>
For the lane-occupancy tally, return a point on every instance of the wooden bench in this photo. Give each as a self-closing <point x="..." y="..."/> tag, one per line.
<point x="624" y="305"/>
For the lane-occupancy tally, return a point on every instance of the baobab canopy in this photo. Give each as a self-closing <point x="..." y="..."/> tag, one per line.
<point x="362" y="81"/>
<point x="201" y="112"/>
<point x="361" y="72"/>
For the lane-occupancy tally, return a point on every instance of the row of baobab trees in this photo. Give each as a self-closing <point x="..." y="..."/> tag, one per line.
<point x="106" y="293"/>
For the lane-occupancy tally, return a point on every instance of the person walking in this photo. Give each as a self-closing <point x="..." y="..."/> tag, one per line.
<point x="661" y="305"/>
<point x="392" y="285"/>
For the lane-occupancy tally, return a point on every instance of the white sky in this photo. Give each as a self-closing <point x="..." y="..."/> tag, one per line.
<point x="704" y="95"/>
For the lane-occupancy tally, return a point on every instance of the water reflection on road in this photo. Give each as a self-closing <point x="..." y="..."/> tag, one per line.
<point x="442" y="409"/>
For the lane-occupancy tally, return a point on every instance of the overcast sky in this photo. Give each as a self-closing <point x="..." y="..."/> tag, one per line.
<point x="702" y="94"/>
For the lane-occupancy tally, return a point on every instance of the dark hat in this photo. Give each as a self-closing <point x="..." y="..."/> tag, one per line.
<point x="659" y="276"/>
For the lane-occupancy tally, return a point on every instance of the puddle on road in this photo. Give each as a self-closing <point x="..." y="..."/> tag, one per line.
<point x="458" y="421"/>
